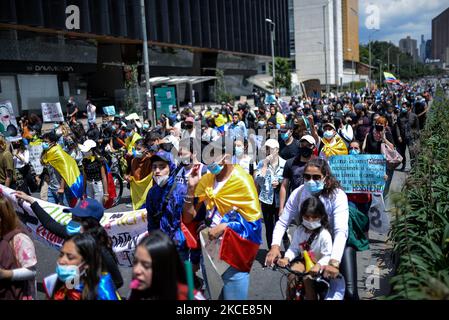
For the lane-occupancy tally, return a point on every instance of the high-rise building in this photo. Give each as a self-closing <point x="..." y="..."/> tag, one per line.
<point x="409" y="46"/>
<point x="428" y="50"/>
<point x="440" y="37"/>
<point x="319" y="40"/>
<point x="351" y="50"/>
<point x="422" y="50"/>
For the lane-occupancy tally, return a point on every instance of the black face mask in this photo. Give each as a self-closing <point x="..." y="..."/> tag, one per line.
<point x="189" y="126"/>
<point x="379" y="128"/>
<point x="305" y="152"/>
<point x="166" y="146"/>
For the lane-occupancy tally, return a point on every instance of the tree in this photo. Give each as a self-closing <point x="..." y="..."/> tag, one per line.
<point x="283" y="74"/>
<point x="221" y="95"/>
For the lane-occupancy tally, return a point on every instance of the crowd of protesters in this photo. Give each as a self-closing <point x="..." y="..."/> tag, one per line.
<point x="269" y="162"/>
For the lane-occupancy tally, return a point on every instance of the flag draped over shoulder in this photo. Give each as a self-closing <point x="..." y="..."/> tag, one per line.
<point x="131" y="141"/>
<point x="139" y="190"/>
<point x="337" y="149"/>
<point x="238" y="204"/>
<point x="67" y="168"/>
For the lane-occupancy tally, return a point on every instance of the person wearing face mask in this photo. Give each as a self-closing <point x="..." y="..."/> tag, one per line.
<point x="165" y="200"/>
<point x="373" y="142"/>
<point x="311" y="235"/>
<point x="131" y="138"/>
<point x="408" y="123"/>
<point x="293" y="175"/>
<point x="139" y="174"/>
<point x="233" y="214"/>
<point x="72" y="109"/>
<point x="241" y="156"/>
<point x="86" y="217"/>
<point x="319" y="181"/>
<point x="79" y="273"/>
<point x="331" y="143"/>
<point x="269" y="179"/>
<point x="345" y="130"/>
<point x="95" y="179"/>
<point x="17" y="256"/>
<point x="289" y="146"/>
<point x="189" y="128"/>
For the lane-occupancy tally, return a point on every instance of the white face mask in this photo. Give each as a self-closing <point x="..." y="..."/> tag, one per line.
<point x="311" y="225"/>
<point x="160" y="180"/>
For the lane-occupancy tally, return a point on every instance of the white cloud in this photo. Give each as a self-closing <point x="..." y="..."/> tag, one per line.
<point x="400" y="18"/>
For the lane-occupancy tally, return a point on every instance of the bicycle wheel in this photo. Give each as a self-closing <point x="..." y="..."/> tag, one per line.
<point x="118" y="183"/>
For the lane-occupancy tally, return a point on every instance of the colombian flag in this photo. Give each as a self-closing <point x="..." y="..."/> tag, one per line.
<point x="111" y="187"/>
<point x="67" y="168"/>
<point x="131" y="141"/>
<point x="139" y="191"/>
<point x="390" y="78"/>
<point x="238" y="203"/>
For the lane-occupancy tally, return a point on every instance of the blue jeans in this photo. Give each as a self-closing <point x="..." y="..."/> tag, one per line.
<point x="55" y="197"/>
<point x="236" y="284"/>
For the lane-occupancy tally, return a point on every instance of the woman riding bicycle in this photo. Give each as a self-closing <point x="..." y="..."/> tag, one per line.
<point x="311" y="235"/>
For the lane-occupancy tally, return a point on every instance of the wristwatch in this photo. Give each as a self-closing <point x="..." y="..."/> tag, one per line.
<point x="335" y="264"/>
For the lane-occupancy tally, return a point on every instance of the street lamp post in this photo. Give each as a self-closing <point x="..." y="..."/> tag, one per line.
<point x="272" y="35"/>
<point x="369" y="77"/>
<point x="352" y="67"/>
<point x="380" y="71"/>
<point x="147" y="64"/>
<point x="325" y="49"/>
<point x="388" y="67"/>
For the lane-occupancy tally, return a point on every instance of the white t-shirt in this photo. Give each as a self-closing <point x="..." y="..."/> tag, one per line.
<point x="19" y="164"/>
<point x="321" y="246"/>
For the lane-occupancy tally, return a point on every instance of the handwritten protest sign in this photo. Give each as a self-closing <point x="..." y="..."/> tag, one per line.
<point x="52" y="112"/>
<point x="359" y="173"/>
<point x="35" y="150"/>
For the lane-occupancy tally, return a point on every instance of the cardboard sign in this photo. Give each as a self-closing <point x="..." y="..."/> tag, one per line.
<point x="8" y="124"/>
<point x="109" y="110"/>
<point x="52" y="112"/>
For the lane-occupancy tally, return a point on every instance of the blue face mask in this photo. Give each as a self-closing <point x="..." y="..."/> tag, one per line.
<point x="67" y="273"/>
<point x="314" y="186"/>
<point x="56" y="126"/>
<point x="346" y="110"/>
<point x="215" y="168"/>
<point x="146" y="126"/>
<point x="354" y="152"/>
<point x="284" y="136"/>
<point x="404" y="110"/>
<point x="328" y="134"/>
<point x="114" y="128"/>
<point x="45" y="145"/>
<point x="73" y="228"/>
<point x="239" y="151"/>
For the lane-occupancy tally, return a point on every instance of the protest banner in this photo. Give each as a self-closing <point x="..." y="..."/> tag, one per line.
<point x="360" y="173"/>
<point x="35" y="149"/>
<point x="52" y="112"/>
<point x="125" y="229"/>
<point x="8" y="124"/>
<point x="109" y="110"/>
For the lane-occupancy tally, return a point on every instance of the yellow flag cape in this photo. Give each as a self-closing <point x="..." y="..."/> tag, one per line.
<point x="139" y="190"/>
<point x="66" y="167"/>
<point x="239" y="192"/>
<point x="131" y="141"/>
<point x="337" y="149"/>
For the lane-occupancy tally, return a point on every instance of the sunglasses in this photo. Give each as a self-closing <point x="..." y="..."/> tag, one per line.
<point x="315" y="177"/>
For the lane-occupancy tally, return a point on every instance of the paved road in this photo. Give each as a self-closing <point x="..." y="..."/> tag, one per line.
<point x="265" y="283"/>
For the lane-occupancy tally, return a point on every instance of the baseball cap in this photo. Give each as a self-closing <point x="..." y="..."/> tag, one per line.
<point x="88" y="208"/>
<point x="87" y="145"/>
<point x="309" y="139"/>
<point x="329" y="125"/>
<point x="162" y="156"/>
<point x="271" y="143"/>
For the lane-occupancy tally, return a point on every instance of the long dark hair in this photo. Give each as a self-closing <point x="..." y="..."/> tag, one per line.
<point x="87" y="247"/>
<point x="314" y="207"/>
<point x="95" y="229"/>
<point x="331" y="184"/>
<point x="168" y="270"/>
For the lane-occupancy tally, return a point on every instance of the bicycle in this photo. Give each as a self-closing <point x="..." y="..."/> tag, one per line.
<point x="296" y="290"/>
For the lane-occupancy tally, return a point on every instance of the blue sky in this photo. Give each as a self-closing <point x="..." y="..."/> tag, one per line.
<point x="399" y="18"/>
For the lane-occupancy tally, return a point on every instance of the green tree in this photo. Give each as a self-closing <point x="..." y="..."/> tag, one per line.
<point x="283" y="74"/>
<point x="221" y="94"/>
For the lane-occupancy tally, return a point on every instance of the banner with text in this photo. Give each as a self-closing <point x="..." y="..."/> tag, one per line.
<point x="126" y="229"/>
<point x="36" y="150"/>
<point x="52" y="112"/>
<point x="360" y="173"/>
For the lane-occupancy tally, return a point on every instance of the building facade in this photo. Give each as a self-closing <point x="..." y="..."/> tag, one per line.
<point x="440" y="37"/>
<point x="43" y="60"/>
<point x="319" y="40"/>
<point x="409" y="46"/>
